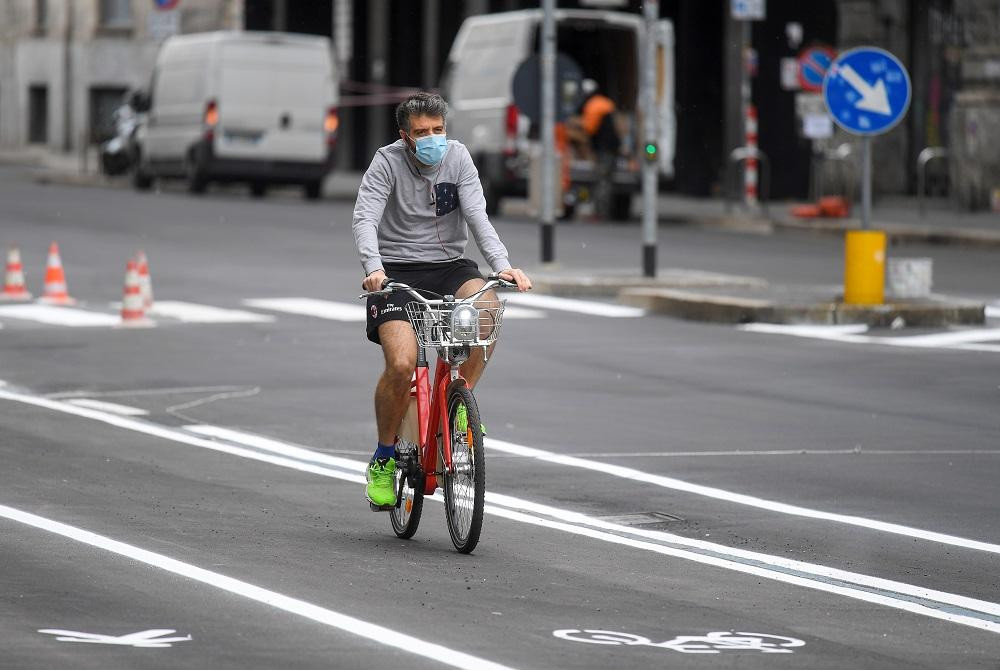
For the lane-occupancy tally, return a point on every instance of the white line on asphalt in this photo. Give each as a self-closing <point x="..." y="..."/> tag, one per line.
<point x="321" y="309"/>
<point x="520" y="450"/>
<point x="589" y="307"/>
<point x="59" y="316"/>
<point x="961" y="340"/>
<point x="738" y="498"/>
<point x="112" y="407"/>
<point x="349" y="624"/>
<point x="190" y="312"/>
<point x="793" y="452"/>
<point x="772" y="567"/>
<point x="993" y="311"/>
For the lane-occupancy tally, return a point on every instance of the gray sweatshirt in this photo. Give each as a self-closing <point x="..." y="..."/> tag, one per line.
<point x="407" y="212"/>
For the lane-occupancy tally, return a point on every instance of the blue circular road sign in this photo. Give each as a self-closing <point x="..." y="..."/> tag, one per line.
<point x="866" y="90"/>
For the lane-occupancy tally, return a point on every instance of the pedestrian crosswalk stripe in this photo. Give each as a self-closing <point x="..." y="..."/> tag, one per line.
<point x="589" y="307"/>
<point x="322" y="309"/>
<point x="342" y="311"/>
<point x="190" y="312"/>
<point x="59" y="316"/>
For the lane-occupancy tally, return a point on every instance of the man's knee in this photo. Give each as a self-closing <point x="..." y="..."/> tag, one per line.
<point x="400" y="350"/>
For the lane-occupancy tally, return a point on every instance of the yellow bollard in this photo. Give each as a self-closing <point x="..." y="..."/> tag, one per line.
<point x="864" y="267"/>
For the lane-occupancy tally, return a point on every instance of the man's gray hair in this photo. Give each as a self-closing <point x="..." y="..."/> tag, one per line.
<point x="420" y="104"/>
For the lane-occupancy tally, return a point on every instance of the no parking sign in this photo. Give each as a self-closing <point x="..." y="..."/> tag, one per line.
<point x="813" y="64"/>
<point x="166" y="5"/>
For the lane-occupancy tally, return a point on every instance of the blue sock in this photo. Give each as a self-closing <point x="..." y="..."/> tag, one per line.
<point x="384" y="451"/>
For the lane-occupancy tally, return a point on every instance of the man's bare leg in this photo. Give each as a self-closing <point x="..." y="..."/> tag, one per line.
<point x="393" y="389"/>
<point x="473" y="368"/>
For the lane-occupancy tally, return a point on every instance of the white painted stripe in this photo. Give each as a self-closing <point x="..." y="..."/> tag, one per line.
<point x="190" y="312"/>
<point x="59" y="316"/>
<point x="805" y="330"/>
<point x="276" y="446"/>
<point x="737" y="498"/>
<point x="349" y="624"/>
<point x="322" y="309"/>
<point x="112" y="407"/>
<point x="496" y="499"/>
<point x="589" y="307"/>
<point x="993" y="311"/>
<point x="511" y="312"/>
<point x="946" y="338"/>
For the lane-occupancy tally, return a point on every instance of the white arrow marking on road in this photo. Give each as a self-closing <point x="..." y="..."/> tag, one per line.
<point x="147" y="638"/>
<point x="873" y="98"/>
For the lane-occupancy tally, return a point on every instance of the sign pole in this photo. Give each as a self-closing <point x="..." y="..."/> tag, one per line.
<point x="866" y="183"/>
<point x="651" y="12"/>
<point x="548" y="76"/>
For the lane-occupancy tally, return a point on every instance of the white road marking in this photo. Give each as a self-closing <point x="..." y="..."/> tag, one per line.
<point x="962" y="340"/>
<point x="738" y="498"/>
<point x="589" y="307"/>
<point x="190" y="312"/>
<point x="153" y="638"/>
<point x="112" y="407"/>
<point x="993" y="311"/>
<point x="321" y="309"/>
<point x="342" y="311"/>
<point x="348" y="624"/>
<point x="898" y="595"/>
<point x="59" y="316"/>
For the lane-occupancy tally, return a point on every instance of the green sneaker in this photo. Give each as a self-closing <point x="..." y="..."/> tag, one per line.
<point x="381" y="489"/>
<point x="462" y="420"/>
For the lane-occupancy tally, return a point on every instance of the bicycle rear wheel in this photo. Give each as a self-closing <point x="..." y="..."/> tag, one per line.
<point x="406" y="517"/>
<point x="465" y="487"/>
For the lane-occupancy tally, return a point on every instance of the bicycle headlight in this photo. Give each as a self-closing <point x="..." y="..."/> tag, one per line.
<point x="465" y="323"/>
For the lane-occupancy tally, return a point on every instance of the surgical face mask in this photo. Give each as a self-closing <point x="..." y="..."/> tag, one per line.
<point x="430" y="149"/>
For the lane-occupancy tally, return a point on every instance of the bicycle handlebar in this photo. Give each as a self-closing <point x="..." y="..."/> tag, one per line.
<point x="390" y="286"/>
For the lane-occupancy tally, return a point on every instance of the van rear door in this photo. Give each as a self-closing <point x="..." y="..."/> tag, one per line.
<point x="663" y="34"/>
<point x="273" y="98"/>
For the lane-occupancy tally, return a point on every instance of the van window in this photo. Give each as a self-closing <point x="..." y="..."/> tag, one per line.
<point x="486" y="64"/>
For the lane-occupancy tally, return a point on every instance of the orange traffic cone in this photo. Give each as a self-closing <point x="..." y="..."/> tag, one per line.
<point x="13" y="280"/>
<point x="145" y="284"/>
<point x="133" y="313"/>
<point x="55" y="280"/>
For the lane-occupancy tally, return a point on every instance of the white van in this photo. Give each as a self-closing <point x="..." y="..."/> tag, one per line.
<point x="256" y="107"/>
<point x="607" y="47"/>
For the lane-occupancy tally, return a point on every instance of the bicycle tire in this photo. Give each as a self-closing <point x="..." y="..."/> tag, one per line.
<point x="465" y="488"/>
<point x="406" y="518"/>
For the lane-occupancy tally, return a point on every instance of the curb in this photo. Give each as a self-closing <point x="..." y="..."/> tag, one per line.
<point x="931" y="313"/>
<point x="898" y="233"/>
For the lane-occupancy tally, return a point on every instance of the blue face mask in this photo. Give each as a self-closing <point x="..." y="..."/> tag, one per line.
<point x="430" y="149"/>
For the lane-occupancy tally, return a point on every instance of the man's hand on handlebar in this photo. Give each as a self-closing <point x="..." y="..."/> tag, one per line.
<point x="373" y="282"/>
<point x="518" y="277"/>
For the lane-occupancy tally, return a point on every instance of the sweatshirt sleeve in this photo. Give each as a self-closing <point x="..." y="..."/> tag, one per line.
<point x="473" y="204"/>
<point x="376" y="185"/>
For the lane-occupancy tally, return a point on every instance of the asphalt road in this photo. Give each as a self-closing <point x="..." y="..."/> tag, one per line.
<point x="662" y="493"/>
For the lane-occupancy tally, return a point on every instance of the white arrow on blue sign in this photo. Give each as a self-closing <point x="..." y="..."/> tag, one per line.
<point x="866" y="90"/>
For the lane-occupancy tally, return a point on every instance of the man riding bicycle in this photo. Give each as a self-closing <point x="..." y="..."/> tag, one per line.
<point x="418" y="201"/>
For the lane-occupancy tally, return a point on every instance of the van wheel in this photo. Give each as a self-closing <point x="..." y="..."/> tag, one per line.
<point x="492" y="195"/>
<point x="621" y="206"/>
<point x="140" y="180"/>
<point x="312" y="190"/>
<point x="196" y="181"/>
<point x="258" y="189"/>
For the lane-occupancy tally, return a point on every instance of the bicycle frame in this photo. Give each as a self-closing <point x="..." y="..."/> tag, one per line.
<point x="432" y="412"/>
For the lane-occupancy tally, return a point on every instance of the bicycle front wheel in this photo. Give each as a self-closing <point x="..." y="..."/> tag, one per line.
<point x="465" y="485"/>
<point x="410" y="488"/>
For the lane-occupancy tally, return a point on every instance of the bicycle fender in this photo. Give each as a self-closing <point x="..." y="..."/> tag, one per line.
<point x="453" y="384"/>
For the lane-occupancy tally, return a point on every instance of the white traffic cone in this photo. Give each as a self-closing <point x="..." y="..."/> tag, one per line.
<point x="13" y="280"/>
<point x="133" y="312"/>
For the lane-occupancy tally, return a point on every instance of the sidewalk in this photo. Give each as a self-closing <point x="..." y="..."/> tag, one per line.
<point x="693" y="294"/>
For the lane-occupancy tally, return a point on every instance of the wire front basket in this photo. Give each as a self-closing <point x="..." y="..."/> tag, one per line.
<point x="432" y="323"/>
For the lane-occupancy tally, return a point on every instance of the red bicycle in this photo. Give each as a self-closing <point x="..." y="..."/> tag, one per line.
<point x="440" y="440"/>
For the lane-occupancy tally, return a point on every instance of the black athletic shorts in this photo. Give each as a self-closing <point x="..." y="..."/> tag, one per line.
<point x="442" y="278"/>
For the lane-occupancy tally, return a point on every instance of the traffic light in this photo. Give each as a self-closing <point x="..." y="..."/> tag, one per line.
<point x="651" y="151"/>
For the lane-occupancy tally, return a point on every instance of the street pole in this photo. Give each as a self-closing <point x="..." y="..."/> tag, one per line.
<point x="866" y="183"/>
<point x="548" y="84"/>
<point x="651" y="12"/>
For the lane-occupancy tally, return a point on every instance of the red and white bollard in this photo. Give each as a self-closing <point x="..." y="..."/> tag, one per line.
<point x="750" y="166"/>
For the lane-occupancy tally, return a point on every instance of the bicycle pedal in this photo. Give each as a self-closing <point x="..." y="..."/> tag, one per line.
<point x="380" y="508"/>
